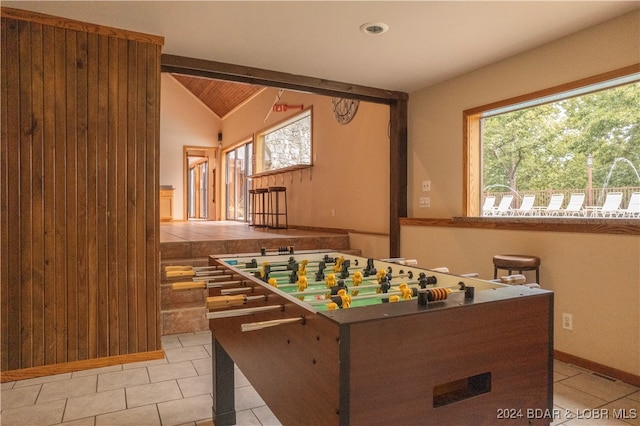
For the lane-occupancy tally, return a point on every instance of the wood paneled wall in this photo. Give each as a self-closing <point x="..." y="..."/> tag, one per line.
<point x="79" y="191"/>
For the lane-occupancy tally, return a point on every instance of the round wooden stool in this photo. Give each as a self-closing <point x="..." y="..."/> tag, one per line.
<point x="516" y="262"/>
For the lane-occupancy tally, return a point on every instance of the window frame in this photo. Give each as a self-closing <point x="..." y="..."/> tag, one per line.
<point x="471" y="144"/>
<point x="259" y="144"/>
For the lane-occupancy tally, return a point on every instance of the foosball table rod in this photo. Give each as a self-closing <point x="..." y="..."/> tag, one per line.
<point x="243" y="311"/>
<point x="201" y="285"/>
<point x="254" y="326"/>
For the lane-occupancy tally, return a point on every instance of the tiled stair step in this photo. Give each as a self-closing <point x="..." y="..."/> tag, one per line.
<point x="195" y="249"/>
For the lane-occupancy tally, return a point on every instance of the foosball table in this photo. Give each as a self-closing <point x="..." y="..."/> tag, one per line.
<point x="331" y="338"/>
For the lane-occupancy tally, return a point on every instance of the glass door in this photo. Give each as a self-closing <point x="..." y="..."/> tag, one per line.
<point x="239" y="167"/>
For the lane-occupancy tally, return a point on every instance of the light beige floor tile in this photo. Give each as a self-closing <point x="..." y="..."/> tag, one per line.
<point x="170" y="342"/>
<point x="186" y="354"/>
<point x="247" y="418"/>
<point x="589" y="421"/>
<point x="68" y="388"/>
<point x="266" y="417"/>
<point x="146" y="415"/>
<point x="625" y="409"/>
<point x="178" y="370"/>
<point x="47" y="413"/>
<point x="239" y="379"/>
<point x="567" y="369"/>
<point x="185" y="410"/>
<point x="558" y="376"/>
<point x="94" y="405"/>
<point x="96" y="371"/>
<point x="86" y="421"/>
<point x="44" y="379"/>
<point x="141" y="364"/>
<point x="600" y="387"/>
<point x="7" y="385"/>
<point x="203" y="338"/>
<point x="122" y="379"/>
<point x="208" y="349"/>
<point x="153" y="393"/>
<point x="573" y="399"/>
<point x="559" y="415"/>
<point x="635" y="396"/>
<point x="20" y="397"/>
<point x="197" y="385"/>
<point x="203" y="366"/>
<point x="247" y="398"/>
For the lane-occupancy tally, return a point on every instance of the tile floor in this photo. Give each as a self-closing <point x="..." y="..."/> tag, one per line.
<point x="177" y="391"/>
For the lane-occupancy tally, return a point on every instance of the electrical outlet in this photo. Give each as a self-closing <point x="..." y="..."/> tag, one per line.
<point x="567" y="321"/>
<point x="333" y="212"/>
<point x="425" y="202"/>
<point x="426" y="185"/>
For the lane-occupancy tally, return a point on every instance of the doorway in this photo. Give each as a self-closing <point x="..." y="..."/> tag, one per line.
<point x="199" y="181"/>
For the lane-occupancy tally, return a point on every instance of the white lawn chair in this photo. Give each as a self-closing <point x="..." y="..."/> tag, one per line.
<point x="488" y="206"/>
<point x="611" y="206"/>
<point x="526" y="206"/>
<point x="555" y="205"/>
<point x="575" y="205"/>
<point x="633" y="208"/>
<point x="505" y="204"/>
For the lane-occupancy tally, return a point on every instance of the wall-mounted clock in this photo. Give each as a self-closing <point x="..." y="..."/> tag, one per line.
<point x="344" y="109"/>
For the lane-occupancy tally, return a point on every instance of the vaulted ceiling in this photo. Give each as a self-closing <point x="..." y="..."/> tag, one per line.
<point x="219" y="96"/>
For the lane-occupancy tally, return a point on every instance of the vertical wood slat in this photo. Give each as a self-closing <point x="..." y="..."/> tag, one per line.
<point x="24" y="190"/>
<point x="79" y="185"/>
<point x="71" y="165"/>
<point x="59" y="190"/>
<point x="37" y="191"/>
<point x="49" y="131"/>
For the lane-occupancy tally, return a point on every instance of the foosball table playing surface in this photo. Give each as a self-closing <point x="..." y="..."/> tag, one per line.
<point x="327" y="338"/>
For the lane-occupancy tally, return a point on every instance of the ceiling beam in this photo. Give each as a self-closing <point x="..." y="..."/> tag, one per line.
<point x="243" y="74"/>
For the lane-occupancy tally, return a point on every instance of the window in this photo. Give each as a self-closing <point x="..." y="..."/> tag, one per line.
<point x="286" y="145"/>
<point x="550" y="151"/>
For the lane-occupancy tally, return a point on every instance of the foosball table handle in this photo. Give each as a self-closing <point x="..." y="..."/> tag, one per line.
<point x="189" y="285"/>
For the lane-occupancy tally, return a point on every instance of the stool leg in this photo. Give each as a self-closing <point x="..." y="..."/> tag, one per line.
<point x="495" y="272"/>
<point x="286" y="212"/>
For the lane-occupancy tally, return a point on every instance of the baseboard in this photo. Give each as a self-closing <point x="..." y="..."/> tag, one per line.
<point x="68" y="367"/>
<point x="614" y="373"/>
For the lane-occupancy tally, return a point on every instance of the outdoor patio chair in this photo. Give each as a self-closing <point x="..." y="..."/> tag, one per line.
<point x="555" y="205"/>
<point x="488" y="206"/>
<point x="504" y="206"/>
<point x="575" y="205"/>
<point x="526" y="206"/>
<point x="611" y="206"/>
<point x="633" y="208"/>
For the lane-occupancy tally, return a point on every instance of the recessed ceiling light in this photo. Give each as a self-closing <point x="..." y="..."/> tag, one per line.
<point x="374" y="28"/>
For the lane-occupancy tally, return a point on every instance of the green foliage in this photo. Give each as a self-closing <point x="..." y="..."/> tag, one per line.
<point x="546" y="147"/>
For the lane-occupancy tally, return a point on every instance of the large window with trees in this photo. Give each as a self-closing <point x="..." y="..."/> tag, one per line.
<point x="570" y="153"/>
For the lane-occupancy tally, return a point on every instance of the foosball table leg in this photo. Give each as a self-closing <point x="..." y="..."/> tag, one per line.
<point x="224" y="412"/>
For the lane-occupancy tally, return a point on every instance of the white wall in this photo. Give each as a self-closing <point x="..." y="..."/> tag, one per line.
<point x="184" y="120"/>
<point x="595" y="277"/>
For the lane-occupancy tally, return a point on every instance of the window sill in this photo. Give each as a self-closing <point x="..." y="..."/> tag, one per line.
<point x="279" y="171"/>
<point x="560" y="224"/>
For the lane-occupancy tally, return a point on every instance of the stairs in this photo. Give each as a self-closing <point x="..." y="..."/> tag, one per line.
<point x="184" y="311"/>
